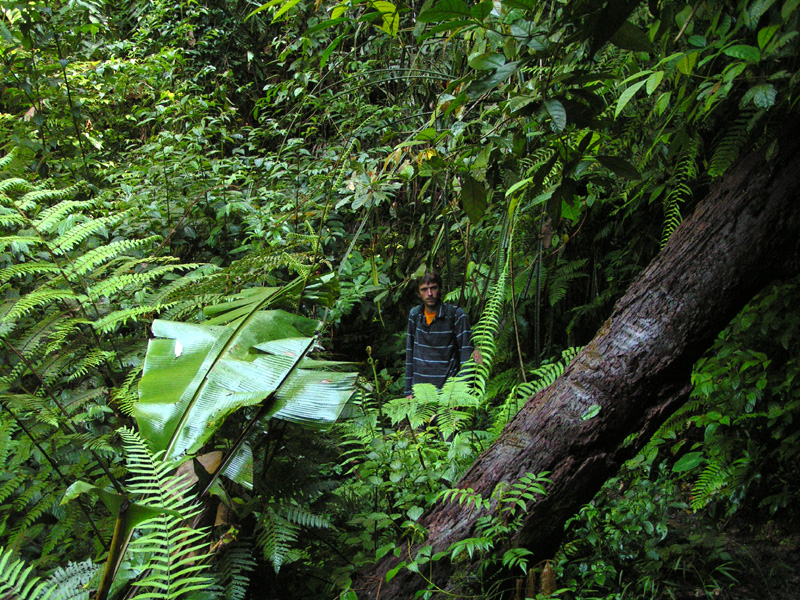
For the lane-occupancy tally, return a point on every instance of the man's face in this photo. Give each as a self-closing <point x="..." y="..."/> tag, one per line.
<point x="429" y="294"/>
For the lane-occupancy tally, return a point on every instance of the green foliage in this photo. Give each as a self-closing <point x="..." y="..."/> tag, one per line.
<point x="172" y="551"/>
<point x="541" y="151"/>
<point x="635" y="539"/>
<point x="195" y="376"/>
<point x="234" y="566"/>
<point x="15" y="578"/>
<point x="65" y="288"/>
<point x="502" y="514"/>
<point x="744" y="401"/>
<point x="541" y="377"/>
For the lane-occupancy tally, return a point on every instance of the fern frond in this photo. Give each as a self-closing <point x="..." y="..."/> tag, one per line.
<point x="91" y="259"/>
<point x="63" y="331"/>
<point x="540" y="378"/>
<point x="120" y="317"/>
<point x="565" y="273"/>
<point x="184" y="287"/>
<point x="49" y="219"/>
<point x="127" y="394"/>
<point x="16" y="581"/>
<point x="275" y="536"/>
<point x="10" y="486"/>
<point x="8" y="427"/>
<point x="26" y="269"/>
<point x="176" y="552"/>
<point x="12" y="219"/>
<point x="295" y="513"/>
<point x="113" y="285"/>
<point x="90" y="362"/>
<point x="714" y="478"/>
<point x="72" y="582"/>
<point x="16" y="185"/>
<point x="78" y="234"/>
<point x="19" y="242"/>
<point x="6" y="160"/>
<point x="35" y="299"/>
<point x="680" y="192"/>
<point x="732" y="143"/>
<point x="234" y="565"/>
<point x="484" y="334"/>
<point x="36" y="197"/>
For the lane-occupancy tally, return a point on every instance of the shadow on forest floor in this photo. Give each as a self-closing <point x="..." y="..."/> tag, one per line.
<point x="768" y="556"/>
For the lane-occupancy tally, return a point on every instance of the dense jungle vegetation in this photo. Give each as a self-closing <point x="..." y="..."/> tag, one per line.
<point x="212" y="213"/>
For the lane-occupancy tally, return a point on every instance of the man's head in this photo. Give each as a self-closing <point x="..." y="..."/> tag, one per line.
<point x="429" y="287"/>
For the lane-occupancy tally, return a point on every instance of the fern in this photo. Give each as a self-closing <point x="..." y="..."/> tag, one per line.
<point x="484" y="333"/>
<point x="279" y="527"/>
<point x="84" y="264"/>
<point x="73" y="581"/>
<point x="126" y="395"/>
<point x="175" y="552"/>
<point x="732" y="143"/>
<point x="92" y="361"/>
<point x="712" y="480"/>
<point x="80" y="233"/>
<point x="27" y="269"/>
<point x="558" y="282"/>
<point x="233" y="568"/>
<point x="7" y="160"/>
<point x="680" y="192"/>
<point x="15" y="185"/>
<point x="39" y="195"/>
<point x="16" y="581"/>
<point x="32" y="301"/>
<point x="49" y="219"/>
<point x="540" y="378"/>
<point x="275" y="536"/>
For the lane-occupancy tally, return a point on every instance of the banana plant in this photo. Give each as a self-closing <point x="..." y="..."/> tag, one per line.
<point x="196" y="375"/>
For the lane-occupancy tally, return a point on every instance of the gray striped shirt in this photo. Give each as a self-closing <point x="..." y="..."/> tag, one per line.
<point x="435" y="352"/>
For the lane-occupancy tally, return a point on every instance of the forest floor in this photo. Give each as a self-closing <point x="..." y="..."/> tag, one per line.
<point x="755" y="558"/>
<point x="766" y="557"/>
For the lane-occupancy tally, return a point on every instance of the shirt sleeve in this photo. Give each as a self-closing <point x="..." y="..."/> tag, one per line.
<point x="410" y="353"/>
<point x="463" y="335"/>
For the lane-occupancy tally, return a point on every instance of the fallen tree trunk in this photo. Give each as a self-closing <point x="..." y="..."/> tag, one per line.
<point x="635" y="371"/>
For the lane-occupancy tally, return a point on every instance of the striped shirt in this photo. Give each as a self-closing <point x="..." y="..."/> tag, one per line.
<point x="435" y="352"/>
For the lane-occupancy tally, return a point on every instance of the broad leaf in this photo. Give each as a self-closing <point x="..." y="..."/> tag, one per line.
<point x="473" y="198"/>
<point x="557" y="113"/>
<point x="627" y="95"/>
<point x="195" y="376"/>
<point x="631" y="37"/>
<point x="619" y="166"/>
<point x="444" y="10"/>
<point x="743" y="52"/>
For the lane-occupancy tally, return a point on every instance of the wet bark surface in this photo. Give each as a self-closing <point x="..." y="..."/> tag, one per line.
<point x="745" y="234"/>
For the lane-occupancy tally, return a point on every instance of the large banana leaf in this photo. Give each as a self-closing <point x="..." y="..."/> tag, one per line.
<point x="195" y="376"/>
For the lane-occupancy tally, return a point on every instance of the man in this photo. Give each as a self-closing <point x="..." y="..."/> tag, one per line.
<point x="439" y="339"/>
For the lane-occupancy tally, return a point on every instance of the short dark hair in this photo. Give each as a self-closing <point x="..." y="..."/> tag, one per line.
<point x="429" y="277"/>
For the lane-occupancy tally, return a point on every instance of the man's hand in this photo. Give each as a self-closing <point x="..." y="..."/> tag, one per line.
<point x="477" y="356"/>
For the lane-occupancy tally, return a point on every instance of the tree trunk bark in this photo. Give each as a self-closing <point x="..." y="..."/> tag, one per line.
<point x="636" y="370"/>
